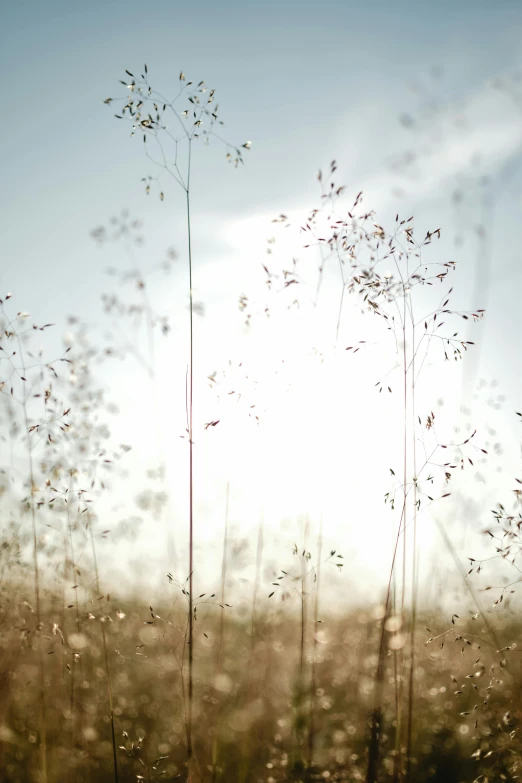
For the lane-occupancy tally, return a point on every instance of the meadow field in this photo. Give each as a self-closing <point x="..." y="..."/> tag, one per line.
<point x="165" y="612"/>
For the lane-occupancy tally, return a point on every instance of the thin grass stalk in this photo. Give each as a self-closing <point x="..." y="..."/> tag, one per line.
<point x="397" y="689"/>
<point x="414" y="572"/>
<point x="41" y="671"/>
<point x="153" y="128"/>
<point x="77" y="608"/>
<point x="73" y="661"/>
<point x="221" y="638"/>
<point x="105" y="655"/>
<point x="71" y="708"/>
<point x="78" y="620"/>
<point x="397" y="775"/>
<point x="247" y="754"/>
<point x="376" y="720"/>
<point x="300" y="710"/>
<point x="313" y="673"/>
<point x="221" y="635"/>
<point x="191" y="484"/>
<point x="302" y="640"/>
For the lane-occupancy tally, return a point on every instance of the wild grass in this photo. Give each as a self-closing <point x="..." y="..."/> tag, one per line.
<point x="248" y="710"/>
<point x="101" y="685"/>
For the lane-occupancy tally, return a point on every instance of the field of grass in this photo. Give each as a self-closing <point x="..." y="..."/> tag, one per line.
<point x="276" y="678"/>
<point x="261" y="713"/>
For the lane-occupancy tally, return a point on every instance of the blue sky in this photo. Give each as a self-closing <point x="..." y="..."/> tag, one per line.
<point x="306" y="82"/>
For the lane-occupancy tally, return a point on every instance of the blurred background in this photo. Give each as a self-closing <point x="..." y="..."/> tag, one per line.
<point x="421" y="108"/>
<point x="348" y="467"/>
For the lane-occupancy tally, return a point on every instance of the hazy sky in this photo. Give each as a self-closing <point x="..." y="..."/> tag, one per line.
<point x="307" y="83"/>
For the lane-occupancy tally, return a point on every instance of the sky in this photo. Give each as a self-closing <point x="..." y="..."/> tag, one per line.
<point x="403" y="96"/>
